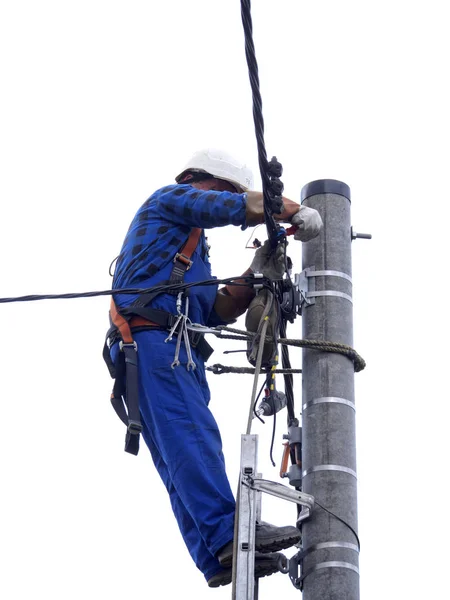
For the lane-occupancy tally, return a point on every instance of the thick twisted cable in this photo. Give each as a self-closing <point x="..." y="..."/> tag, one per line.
<point x="322" y="345"/>
<point x="257" y="114"/>
<point x="219" y="369"/>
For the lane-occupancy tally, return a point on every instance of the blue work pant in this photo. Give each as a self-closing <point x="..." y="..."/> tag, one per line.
<point x="184" y="440"/>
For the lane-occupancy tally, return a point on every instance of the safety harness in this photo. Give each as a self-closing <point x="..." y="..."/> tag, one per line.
<point x="140" y="317"/>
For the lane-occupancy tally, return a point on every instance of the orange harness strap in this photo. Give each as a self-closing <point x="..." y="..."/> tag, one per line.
<point x="121" y="323"/>
<point x="188" y="249"/>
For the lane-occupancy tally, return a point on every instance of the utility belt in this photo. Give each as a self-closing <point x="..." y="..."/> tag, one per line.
<point x="196" y="338"/>
<point x="124" y="371"/>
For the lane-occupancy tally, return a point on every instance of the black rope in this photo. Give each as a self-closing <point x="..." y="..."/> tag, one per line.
<point x="219" y="369"/>
<point x="326" y="346"/>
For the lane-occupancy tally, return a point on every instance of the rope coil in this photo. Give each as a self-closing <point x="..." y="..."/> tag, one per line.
<point x="322" y="345"/>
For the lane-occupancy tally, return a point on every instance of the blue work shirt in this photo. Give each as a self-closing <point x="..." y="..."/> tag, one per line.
<point x="160" y="229"/>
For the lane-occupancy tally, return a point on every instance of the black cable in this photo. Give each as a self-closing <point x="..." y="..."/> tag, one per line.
<point x="288" y="378"/>
<point x="256" y="400"/>
<point x="272" y="441"/>
<point x="258" y="118"/>
<point x="111" y="273"/>
<point x="341" y="520"/>
<point x="156" y="289"/>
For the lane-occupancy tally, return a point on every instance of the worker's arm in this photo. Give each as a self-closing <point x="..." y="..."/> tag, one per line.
<point x="190" y="206"/>
<point x="254" y="213"/>
<point x="232" y="301"/>
<point x="308" y="220"/>
<point x="187" y="205"/>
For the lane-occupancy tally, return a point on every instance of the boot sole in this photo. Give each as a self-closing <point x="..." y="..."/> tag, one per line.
<point x="261" y="570"/>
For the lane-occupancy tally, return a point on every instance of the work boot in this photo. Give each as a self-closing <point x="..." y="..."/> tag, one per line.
<point x="269" y="538"/>
<point x="265" y="564"/>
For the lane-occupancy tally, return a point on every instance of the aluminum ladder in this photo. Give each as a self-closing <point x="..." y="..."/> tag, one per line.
<point x="248" y="512"/>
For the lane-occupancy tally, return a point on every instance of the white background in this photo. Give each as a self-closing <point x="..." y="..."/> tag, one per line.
<point x="101" y="104"/>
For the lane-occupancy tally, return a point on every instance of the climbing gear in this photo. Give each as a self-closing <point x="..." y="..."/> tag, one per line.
<point x="268" y="538"/>
<point x="265" y="565"/>
<point x="124" y="396"/>
<point x="140" y="317"/>
<point x="183" y="332"/>
<point x="221" y="165"/>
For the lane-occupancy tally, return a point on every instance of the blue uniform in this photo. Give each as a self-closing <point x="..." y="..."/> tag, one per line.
<point x="178" y="427"/>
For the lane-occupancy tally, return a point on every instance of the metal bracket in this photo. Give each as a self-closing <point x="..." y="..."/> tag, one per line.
<point x="304" y="284"/>
<point x="304" y="287"/>
<point x="285" y="493"/>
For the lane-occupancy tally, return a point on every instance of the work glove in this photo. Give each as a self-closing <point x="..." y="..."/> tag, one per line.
<point x="270" y="262"/>
<point x="309" y="223"/>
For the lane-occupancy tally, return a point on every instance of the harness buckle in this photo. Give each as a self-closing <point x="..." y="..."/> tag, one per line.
<point x="123" y="345"/>
<point x="134" y="427"/>
<point x="195" y="337"/>
<point x="183" y="259"/>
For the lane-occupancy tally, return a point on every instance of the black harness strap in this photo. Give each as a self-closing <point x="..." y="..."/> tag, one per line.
<point x="125" y="394"/>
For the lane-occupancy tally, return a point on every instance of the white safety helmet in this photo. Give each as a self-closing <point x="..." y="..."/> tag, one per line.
<point x="222" y="165"/>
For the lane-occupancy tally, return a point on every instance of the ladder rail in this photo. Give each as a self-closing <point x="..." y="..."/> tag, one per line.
<point x="248" y="512"/>
<point x="248" y="504"/>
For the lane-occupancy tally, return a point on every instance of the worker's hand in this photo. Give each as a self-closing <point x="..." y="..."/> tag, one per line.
<point x="270" y="262"/>
<point x="309" y="223"/>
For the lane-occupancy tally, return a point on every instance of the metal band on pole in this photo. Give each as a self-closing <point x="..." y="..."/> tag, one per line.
<point x="329" y="293"/>
<point x="328" y="400"/>
<point x="327" y="545"/>
<point x="318" y="468"/>
<point x="329" y="274"/>
<point x="331" y="564"/>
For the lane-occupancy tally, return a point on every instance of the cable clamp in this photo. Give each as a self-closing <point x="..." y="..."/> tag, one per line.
<point x="305" y="285"/>
<point x="258" y="286"/>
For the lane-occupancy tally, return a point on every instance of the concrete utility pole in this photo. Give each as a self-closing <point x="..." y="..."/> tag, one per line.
<point x="330" y="563"/>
